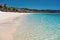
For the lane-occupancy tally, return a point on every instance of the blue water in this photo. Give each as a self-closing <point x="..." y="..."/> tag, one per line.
<point x="41" y="27"/>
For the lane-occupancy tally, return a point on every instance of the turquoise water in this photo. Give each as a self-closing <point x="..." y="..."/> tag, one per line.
<point x="40" y="27"/>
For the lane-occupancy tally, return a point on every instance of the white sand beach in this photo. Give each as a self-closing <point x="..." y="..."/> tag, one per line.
<point x="9" y="22"/>
<point x="23" y="26"/>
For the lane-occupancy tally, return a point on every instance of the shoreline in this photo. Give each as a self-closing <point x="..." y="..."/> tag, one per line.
<point x="9" y="24"/>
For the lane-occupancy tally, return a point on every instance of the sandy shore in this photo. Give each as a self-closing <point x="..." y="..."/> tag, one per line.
<point x="9" y="22"/>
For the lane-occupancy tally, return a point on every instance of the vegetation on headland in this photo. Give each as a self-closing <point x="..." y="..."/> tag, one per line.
<point x="5" y="8"/>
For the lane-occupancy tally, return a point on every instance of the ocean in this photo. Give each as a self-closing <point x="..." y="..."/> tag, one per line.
<point x="39" y="27"/>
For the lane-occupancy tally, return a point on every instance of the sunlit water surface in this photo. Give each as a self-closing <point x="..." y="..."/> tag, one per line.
<point x="39" y="27"/>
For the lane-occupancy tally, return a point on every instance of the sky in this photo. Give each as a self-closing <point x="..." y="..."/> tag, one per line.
<point x="33" y="4"/>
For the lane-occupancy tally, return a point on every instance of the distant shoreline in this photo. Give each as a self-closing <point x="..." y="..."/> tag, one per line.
<point x="5" y="8"/>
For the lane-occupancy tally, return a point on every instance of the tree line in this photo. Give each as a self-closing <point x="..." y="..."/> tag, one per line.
<point x="5" y="8"/>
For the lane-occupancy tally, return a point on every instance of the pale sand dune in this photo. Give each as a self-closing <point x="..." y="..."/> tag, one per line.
<point x="9" y="22"/>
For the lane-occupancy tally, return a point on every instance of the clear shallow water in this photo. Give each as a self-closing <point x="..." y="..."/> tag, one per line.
<point x="39" y="27"/>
